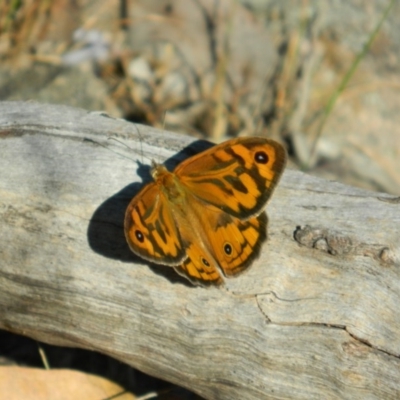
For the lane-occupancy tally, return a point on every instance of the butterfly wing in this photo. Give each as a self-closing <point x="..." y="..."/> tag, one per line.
<point x="243" y="237"/>
<point x="222" y="245"/>
<point x="150" y="228"/>
<point x="237" y="176"/>
<point x="196" y="271"/>
<point x="237" y="243"/>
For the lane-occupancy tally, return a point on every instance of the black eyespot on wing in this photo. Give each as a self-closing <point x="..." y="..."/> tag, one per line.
<point x="261" y="157"/>
<point x="205" y="262"/>
<point x="228" y="249"/>
<point x="139" y="236"/>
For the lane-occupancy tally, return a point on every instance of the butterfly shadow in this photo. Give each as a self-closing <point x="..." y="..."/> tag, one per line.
<point x="106" y="227"/>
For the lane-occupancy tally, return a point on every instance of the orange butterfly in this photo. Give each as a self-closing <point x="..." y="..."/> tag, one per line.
<point x="206" y="218"/>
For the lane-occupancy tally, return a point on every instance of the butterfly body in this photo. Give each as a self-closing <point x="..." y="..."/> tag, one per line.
<point x="206" y="218"/>
<point x="188" y="213"/>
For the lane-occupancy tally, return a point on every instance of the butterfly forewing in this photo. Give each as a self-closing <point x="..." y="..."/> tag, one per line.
<point x="237" y="176"/>
<point x="150" y="228"/>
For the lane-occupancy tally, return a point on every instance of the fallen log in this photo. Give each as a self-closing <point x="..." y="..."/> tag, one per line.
<point x="316" y="317"/>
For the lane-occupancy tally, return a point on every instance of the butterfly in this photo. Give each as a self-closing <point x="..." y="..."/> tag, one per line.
<point x="206" y="219"/>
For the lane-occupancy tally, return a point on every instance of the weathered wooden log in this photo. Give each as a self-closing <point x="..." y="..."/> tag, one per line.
<point x="316" y="317"/>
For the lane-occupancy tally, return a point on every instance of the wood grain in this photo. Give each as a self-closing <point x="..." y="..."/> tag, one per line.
<point x="316" y="317"/>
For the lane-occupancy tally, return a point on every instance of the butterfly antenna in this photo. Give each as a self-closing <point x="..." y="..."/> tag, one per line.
<point x="141" y="143"/>
<point x="120" y="141"/>
<point x="102" y="145"/>
<point x="163" y="128"/>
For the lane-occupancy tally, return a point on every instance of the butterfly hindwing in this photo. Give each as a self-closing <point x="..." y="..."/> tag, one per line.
<point x="226" y="246"/>
<point x="238" y="243"/>
<point x="197" y="270"/>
